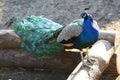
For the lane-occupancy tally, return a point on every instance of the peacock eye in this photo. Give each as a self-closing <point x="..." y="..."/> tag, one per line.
<point x="84" y="15"/>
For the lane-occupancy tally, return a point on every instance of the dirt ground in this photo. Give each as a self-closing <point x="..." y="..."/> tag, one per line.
<point x="35" y="74"/>
<point x="105" y="12"/>
<point x="30" y="74"/>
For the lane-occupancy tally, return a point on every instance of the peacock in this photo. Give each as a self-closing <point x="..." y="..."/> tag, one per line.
<point x="42" y="36"/>
<point x="78" y="35"/>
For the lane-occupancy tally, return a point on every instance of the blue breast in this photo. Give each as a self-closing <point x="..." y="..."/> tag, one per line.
<point x="89" y="35"/>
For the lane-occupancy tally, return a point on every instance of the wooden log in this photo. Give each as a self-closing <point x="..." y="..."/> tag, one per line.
<point x="19" y="58"/>
<point x="101" y="52"/>
<point x="107" y="35"/>
<point x="9" y="39"/>
<point x="118" y="78"/>
<point x="111" y="69"/>
<point x="67" y="61"/>
<point x="117" y="52"/>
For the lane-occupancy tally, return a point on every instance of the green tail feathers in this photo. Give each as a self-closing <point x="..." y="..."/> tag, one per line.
<point x="38" y="35"/>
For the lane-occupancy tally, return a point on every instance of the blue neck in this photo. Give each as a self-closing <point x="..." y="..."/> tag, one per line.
<point x="90" y="33"/>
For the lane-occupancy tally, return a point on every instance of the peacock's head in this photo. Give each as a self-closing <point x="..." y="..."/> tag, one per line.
<point x="84" y="14"/>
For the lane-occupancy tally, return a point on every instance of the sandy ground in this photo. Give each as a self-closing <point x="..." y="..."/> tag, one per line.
<point x="105" y="12"/>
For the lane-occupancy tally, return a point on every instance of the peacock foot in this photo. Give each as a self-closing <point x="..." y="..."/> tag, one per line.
<point x="86" y="65"/>
<point x="91" y="61"/>
<point x="88" y="62"/>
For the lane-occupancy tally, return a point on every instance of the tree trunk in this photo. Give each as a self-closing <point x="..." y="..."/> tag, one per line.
<point x="100" y="53"/>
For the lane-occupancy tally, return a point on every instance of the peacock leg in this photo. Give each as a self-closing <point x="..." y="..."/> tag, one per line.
<point x="81" y="54"/>
<point x="84" y="64"/>
<point x="88" y="58"/>
<point x="82" y="58"/>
